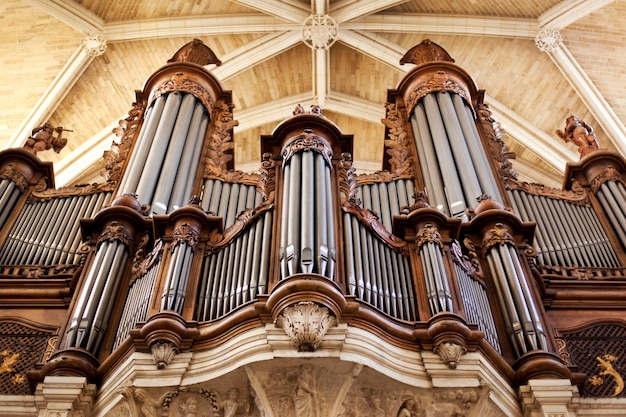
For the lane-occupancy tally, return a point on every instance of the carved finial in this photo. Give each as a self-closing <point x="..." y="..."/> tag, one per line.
<point x="298" y="110"/>
<point x="316" y="109"/>
<point x="421" y="201"/>
<point x="425" y="51"/>
<point x="580" y="134"/>
<point x="196" y="52"/>
<point x="42" y="138"/>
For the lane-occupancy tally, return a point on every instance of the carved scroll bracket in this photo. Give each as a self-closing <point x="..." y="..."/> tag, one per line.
<point x="306" y="323"/>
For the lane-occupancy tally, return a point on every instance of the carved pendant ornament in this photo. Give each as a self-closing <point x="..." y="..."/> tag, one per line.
<point x="450" y="353"/>
<point x="306" y="323"/>
<point x="428" y="233"/>
<point x="115" y="232"/>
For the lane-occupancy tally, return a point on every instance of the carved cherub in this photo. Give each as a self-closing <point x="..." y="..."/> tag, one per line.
<point x="42" y="138"/>
<point x="580" y="134"/>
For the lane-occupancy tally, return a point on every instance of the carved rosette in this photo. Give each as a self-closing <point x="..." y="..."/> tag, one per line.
<point x="440" y="81"/>
<point x="497" y="235"/>
<point x="308" y="142"/>
<point x="184" y="233"/>
<point x="181" y="83"/>
<point x="428" y="233"/>
<point x="548" y="40"/>
<point x="306" y="323"/>
<point x="115" y="231"/>
<point x="10" y="173"/>
<point x="163" y="352"/>
<point x="608" y="174"/>
<point x="450" y="353"/>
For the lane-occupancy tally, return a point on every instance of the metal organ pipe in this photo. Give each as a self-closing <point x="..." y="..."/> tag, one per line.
<point x="9" y="193"/>
<point x="307" y="235"/>
<point x="613" y="198"/>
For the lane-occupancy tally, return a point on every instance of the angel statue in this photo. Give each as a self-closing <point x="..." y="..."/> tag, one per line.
<point x="580" y="134"/>
<point x="42" y="138"/>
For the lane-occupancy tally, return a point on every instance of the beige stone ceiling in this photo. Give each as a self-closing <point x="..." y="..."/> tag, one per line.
<point x="47" y="77"/>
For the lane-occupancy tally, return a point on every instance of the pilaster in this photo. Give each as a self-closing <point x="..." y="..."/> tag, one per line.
<point x="548" y="398"/>
<point x="64" y="396"/>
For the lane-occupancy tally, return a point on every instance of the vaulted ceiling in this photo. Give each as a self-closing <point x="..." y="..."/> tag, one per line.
<point x="77" y="64"/>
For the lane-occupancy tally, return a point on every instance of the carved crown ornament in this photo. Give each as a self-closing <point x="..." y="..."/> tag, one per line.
<point x="306" y="323"/>
<point x="497" y="235"/>
<point x="428" y="233"/>
<point x="305" y="142"/>
<point x="184" y="233"/>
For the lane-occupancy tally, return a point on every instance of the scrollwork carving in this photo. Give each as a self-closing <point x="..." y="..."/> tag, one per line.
<point x="607" y="174"/>
<point x="266" y="183"/>
<point x="450" y="353"/>
<point x="497" y="148"/>
<point x="126" y="131"/>
<point x="397" y="143"/>
<point x="348" y="185"/>
<point x="182" y="84"/>
<point x="440" y="81"/>
<point x="306" y="323"/>
<point x="141" y="264"/>
<point x="308" y="141"/>
<point x="428" y="233"/>
<point x="71" y="191"/>
<point x="10" y="173"/>
<point x="577" y="195"/>
<point x="218" y="240"/>
<point x="163" y="352"/>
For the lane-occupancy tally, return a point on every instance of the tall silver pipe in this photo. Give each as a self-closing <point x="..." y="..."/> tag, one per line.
<point x="143" y="144"/>
<point x="330" y="223"/>
<point x="265" y="254"/>
<point x="284" y="228"/>
<point x="460" y="151"/>
<point x="154" y="161"/>
<point x="456" y="199"/>
<point x="172" y="159"/>
<point x="349" y="254"/>
<point x="307" y="213"/>
<point x="292" y="244"/>
<point x="477" y="153"/>
<point x="428" y="160"/>
<point x="359" y="264"/>
<point x="189" y="159"/>
<point x="322" y="243"/>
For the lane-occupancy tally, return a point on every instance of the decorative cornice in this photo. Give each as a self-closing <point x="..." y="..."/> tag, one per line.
<point x="568" y="273"/>
<point x="115" y="231"/>
<point x="608" y="174"/>
<point x="577" y="195"/>
<point x="497" y="235"/>
<point x="306" y="323"/>
<point x="439" y="81"/>
<point x="181" y="83"/>
<point x="425" y="51"/>
<point x="308" y="142"/>
<point x="9" y="172"/>
<point x="220" y="144"/>
<point x="184" y="233"/>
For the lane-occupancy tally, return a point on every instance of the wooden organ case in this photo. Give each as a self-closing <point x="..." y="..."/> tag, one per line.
<point x="440" y="285"/>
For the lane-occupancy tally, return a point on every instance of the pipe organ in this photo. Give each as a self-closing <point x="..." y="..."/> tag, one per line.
<point x="181" y="258"/>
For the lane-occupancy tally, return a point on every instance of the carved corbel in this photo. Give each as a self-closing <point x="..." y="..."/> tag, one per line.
<point x="450" y="353"/>
<point x="306" y="323"/>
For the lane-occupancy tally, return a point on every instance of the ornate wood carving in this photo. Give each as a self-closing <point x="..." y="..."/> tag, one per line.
<point x="308" y="141"/>
<point x="180" y="82"/>
<point x="496" y="146"/>
<point x="10" y="172"/>
<point x="425" y="51"/>
<point x="196" y="52"/>
<point x="42" y="138"/>
<point x="115" y="231"/>
<point x="608" y="174"/>
<point x="470" y="262"/>
<point x="398" y="143"/>
<point x="581" y="274"/>
<point x="580" y="134"/>
<point x="428" y="233"/>
<point x="577" y="195"/>
<point x="219" y="148"/>
<point x="219" y="240"/>
<point x="184" y="233"/>
<point x="116" y="158"/>
<point x="142" y="264"/>
<point x="497" y="235"/>
<point x="439" y="81"/>
<point x="349" y="187"/>
<point x="450" y="353"/>
<point x="71" y="191"/>
<point x="266" y="183"/>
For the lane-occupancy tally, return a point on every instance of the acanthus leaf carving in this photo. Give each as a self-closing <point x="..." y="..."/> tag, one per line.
<point x="428" y="233"/>
<point x="115" y="231"/>
<point x="397" y="143"/>
<point x="607" y="174"/>
<point x="126" y="131"/>
<point x="184" y="233"/>
<point x="163" y="352"/>
<point x="497" y="148"/>
<point x="497" y="235"/>
<point x="219" y="240"/>
<point x="71" y="191"/>
<point x="180" y="83"/>
<point x="306" y="323"/>
<point x="10" y="173"/>
<point x="348" y="185"/>
<point x="577" y="195"/>
<point x="220" y="144"/>
<point x="141" y="264"/>
<point x="266" y="183"/>
<point x="450" y="353"/>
